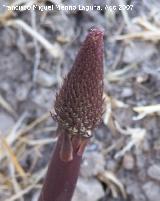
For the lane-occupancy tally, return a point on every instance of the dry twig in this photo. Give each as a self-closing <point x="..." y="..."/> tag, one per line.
<point x="6" y="106"/>
<point x="113" y="183"/>
<point x="13" y="158"/>
<point x="146" y="110"/>
<point x="54" y="49"/>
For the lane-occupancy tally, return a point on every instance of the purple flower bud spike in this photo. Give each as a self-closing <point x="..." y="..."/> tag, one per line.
<point x="79" y="104"/>
<point x="78" y="110"/>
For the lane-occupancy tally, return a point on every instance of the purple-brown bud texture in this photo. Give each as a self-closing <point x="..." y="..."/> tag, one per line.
<point x="78" y="110"/>
<point x="79" y="103"/>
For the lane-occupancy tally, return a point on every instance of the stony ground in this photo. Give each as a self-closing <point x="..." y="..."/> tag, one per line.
<point x="122" y="162"/>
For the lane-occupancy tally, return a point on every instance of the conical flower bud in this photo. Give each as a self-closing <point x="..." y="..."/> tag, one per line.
<point x="79" y="104"/>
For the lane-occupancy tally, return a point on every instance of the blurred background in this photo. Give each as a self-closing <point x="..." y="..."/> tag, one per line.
<point x="37" y="49"/>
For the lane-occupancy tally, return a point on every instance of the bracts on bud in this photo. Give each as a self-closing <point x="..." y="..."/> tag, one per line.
<point x="78" y="110"/>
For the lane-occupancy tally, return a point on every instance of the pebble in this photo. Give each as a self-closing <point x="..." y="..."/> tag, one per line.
<point x="5" y="86"/>
<point x="128" y="162"/>
<point x="157" y="19"/>
<point x="6" y="124"/>
<point x="22" y="92"/>
<point x="142" y="78"/>
<point x="88" y="190"/>
<point x="93" y="163"/>
<point x="154" y="172"/>
<point x="152" y="191"/>
<point x="43" y="97"/>
<point x="3" y="8"/>
<point x="56" y="51"/>
<point x="111" y="165"/>
<point x="127" y="92"/>
<point x="140" y="161"/>
<point x="45" y="79"/>
<point x="133" y="190"/>
<point x="135" y="53"/>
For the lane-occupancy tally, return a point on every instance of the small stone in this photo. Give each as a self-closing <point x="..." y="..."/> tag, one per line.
<point x="127" y="92"/>
<point x="44" y="79"/>
<point x="3" y="8"/>
<point x="157" y="144"/>
<point x="128" y="162"/>
<point x="133" y="190"/>
<point x="88" y="190"/>
<point x="142" y="78"/>
<point x="157" y="19"/>
<point x="36" y="195"/>
<point x="140" y="161"/>
<point x="92" y="164"/>
<point x="6" y="124"/>
<point x="42" y="97"/>
<point x="22" y="92"/>
<point x="152" y="191"/>
<point x="135" y="53"/>
<point x="5" y="86"/>
<point x="111" y="165"/>
<point x="56" y="51"/>
<point x="154" y="172"/>
<point x="146" y="145"/>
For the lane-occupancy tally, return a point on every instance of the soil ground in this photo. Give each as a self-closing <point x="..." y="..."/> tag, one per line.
<point x="126" y="146"/>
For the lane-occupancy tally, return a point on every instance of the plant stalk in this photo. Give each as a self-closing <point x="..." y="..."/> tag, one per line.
<point x="61" y="176"/>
